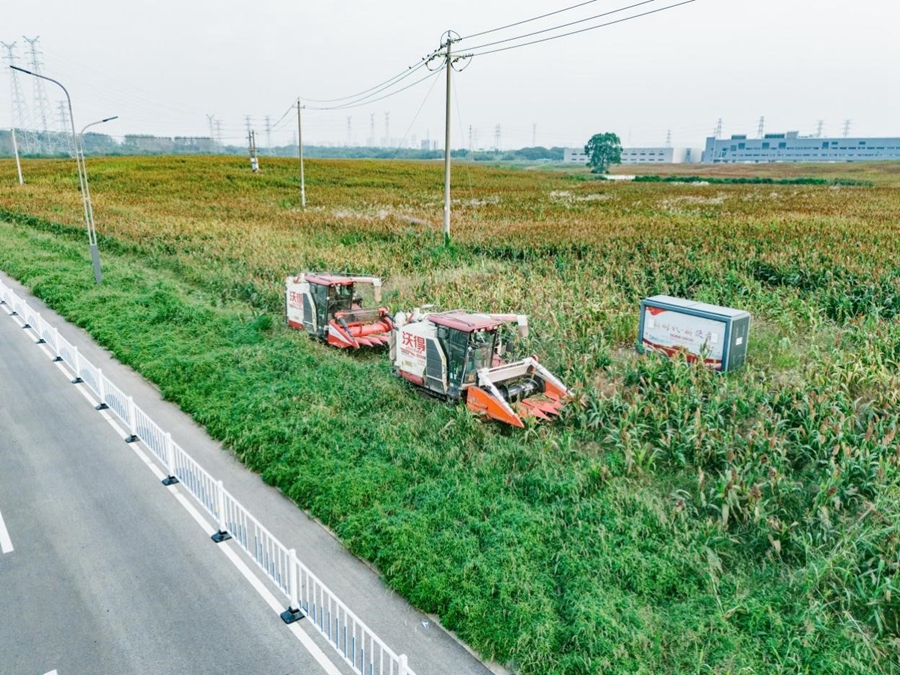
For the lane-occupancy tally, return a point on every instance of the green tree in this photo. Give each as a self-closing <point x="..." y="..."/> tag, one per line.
<point x="602" y="151"/>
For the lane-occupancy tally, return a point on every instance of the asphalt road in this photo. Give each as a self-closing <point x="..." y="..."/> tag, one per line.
<point x="108" y="573"/>
<point x="93" y="531"/>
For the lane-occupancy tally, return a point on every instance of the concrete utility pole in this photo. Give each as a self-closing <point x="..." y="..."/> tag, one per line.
<point x="16" y="152"/>
<point x="448" y="63"/>
<point x="300" y="148"/>
<point x="254" y="158"/>
<point x="449" y="59"/>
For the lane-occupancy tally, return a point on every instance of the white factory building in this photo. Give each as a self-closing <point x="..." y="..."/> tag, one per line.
<point x="661" y="155"/>
<point x="791" y="147"/>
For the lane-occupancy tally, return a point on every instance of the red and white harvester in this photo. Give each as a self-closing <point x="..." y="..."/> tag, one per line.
<point x="328" y="307"/>
<point x="457" y="356"/>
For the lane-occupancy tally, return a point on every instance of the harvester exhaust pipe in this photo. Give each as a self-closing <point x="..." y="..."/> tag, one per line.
<point x="522" y="322"/>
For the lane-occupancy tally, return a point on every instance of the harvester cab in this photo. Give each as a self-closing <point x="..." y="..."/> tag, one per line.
<point x="457" y="356"/>
<point x="328" y="307"/>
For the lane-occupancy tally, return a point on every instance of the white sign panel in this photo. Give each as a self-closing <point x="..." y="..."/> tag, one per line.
<point x="672" y="333"/>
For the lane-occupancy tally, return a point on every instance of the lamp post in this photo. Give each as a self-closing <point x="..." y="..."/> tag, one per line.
<point x="82" y="178"/>
<point x="89" y="209"/>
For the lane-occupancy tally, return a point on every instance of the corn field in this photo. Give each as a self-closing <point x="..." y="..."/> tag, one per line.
<point x="674" y="520"/>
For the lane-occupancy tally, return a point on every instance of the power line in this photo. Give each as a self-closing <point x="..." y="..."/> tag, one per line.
<point x="365" y="100"/>
<point x="581" y="30"/>
<point x="356" y="104"/>
<point x="564" y="25"/>
<point x="380" y="87"/>
<point x="535" y="18"/>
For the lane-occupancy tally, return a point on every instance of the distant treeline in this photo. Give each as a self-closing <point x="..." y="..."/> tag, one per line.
<point x="58" y="145"/>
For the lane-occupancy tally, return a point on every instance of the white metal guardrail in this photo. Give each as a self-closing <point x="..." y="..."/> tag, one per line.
<point x="307" y="596"/>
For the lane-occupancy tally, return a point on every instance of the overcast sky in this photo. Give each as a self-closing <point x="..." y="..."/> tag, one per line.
<point x="163" y="66"/>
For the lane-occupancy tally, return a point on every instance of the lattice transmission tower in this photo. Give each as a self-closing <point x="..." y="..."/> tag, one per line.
<point x="45" y="139"/>
<point x="65" y="126"/>
<point x="21" y="121"/>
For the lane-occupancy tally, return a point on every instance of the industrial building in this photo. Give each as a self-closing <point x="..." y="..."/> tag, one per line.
<point x="791" y="147"/>
<point x="660" y="155"/>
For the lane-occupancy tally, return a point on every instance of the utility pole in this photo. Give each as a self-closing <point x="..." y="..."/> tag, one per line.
<point x="247" y="124"/>
<point x="218" y="136"/>
<point x="448" y="39"/>
<point x="847" y="124"/>
<point x="16" y="152"/>
<point x="497" y="132"/>
<point x="387" y="130"/>
<point x="254" y="158"/>
<point x="268" y="135"/>
<point x="349" y="130"/>
<point x="372" y="130"/>
<point x="448" y="63"/>
<point x="534" y="134"/>
<point x="471" y="139"/>
<point x="300" y="148"/>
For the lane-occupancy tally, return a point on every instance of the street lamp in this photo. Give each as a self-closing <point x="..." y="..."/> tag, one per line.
<point x="82" y="177"/>
<point x="89" y="209"/>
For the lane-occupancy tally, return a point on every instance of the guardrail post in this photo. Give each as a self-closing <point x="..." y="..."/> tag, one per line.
<point x="58" y="356"/>
<point x="102" y="387"/>
<point x="404" y="665"/>
<point x="171" y="479"/>
<point x="293" y="612"/>
<point x="77" y="365"/>
<point x="132" y="422"/>
<point x="222" y="534"/>
<point x="40" y="330"/>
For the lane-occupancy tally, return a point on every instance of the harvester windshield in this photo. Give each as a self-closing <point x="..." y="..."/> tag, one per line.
<point x="481" y="352"/>
<point x="341" y="298"/>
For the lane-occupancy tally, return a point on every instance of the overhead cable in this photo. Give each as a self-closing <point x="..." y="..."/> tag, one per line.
<point x="534" y="18"/>
<point x="581" y="30"/>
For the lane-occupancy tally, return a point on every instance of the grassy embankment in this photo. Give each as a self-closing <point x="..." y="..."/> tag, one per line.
<point x="675" y="521"/>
